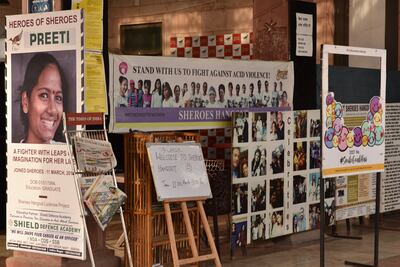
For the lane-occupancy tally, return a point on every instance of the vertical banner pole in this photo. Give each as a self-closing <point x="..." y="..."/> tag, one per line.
<point x="377" y="213"/>
<point x="322" y="223"/>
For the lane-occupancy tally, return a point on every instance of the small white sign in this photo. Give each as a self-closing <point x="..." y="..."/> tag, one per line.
<point x="304" y="23"/>
<point x="304" y="45"/>
<point x="178" y="171"/>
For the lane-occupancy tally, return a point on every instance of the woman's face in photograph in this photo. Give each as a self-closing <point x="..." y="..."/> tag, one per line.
<point x="158" y="84"/>
<point x="245" y="170"/>
<point x="44" y="107"/>
<point x="212" y="97"/>
<point x="166" y="92"/>
<point x="235" y="157"/>
<point x="146" y="88"/>
<point x="279" y="219"/>
<point x="257" y="155"/>
<point x="123" y="87"/>
<point x="177" y="91"/>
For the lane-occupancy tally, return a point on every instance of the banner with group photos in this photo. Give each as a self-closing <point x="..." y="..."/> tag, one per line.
<point x="44" y="70"/>
<point x="166" y="93"/>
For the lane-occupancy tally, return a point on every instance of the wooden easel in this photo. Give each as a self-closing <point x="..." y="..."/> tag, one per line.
<point x="195" y="253"/>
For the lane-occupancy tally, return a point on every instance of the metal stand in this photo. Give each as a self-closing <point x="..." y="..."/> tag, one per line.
<point x="336" y="235"/>
<point x="81" y="120"/>
<point x="322" y="223"/>
<point x="376" y="227"/>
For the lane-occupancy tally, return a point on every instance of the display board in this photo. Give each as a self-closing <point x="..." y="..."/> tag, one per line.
<point x="165" y="93"/>
<point x="349" y="148"/>
<point x="390" y="189"/>
<point x="276" y="174"/>
<point x="355" y="196"/>
<point x="179" y="171"/>
<point x="44" y="69"/>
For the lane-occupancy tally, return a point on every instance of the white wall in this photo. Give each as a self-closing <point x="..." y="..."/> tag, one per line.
<point x="366" y="29"/>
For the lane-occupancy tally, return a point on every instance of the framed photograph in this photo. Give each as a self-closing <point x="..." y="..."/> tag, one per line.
<point x="40" y="6"/>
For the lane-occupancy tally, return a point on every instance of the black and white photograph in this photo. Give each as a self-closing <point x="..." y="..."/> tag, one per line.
<point x="315" y="127"/>
<point x="314" y="186"/>
<point x="241" y="127"/>
<point x="239" y="198"/>
<point x="329" y="188"/>
<point x="330" y="211"/>
<point x="276" y="194"/>
<point x="258" y="196"/>
<point x="258" y="162"/>
<point x="299" y="189"/>
<point x="277" y="159"/>
<point x="258" y="227"/>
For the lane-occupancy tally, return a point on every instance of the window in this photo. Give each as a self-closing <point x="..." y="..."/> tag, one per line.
<point x="141" y="39"/>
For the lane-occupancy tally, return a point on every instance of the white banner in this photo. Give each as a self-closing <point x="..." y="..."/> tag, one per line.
<point x="44" y="74"/>
<point x="165" y="93"/>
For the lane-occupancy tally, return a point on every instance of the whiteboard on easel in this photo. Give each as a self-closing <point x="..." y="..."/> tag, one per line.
<point x="179" y="171"/>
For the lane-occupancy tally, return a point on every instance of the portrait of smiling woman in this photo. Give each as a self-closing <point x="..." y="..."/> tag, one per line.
<point x="41" y="97"/>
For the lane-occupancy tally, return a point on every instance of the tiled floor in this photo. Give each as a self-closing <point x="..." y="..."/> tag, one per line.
<point x="300" y="250"/>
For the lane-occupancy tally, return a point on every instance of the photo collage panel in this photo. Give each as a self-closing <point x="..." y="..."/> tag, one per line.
<point x="260" y="169"/>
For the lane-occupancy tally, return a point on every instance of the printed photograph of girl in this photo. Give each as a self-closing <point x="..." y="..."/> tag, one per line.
<point x="315" y="154"/>
<point x="330" y="211"/>
<point x="240" y="166"/>
<point x="258" y="196"/>
<point x="299" y="189"/>
<point x="259" y="127"/>
<point x="314" y="216"/>
<point x="299" y="221"/>
<point x="300" y="124"/>
<point x="329" y="188"/>
<point x="276" y="193"/>
<point x="276" y="224"/>
<point x="241" y="127"/>
<point x="239" y="203"/>
<point x="315" y="128"/>
<point x="239" y="234"/>
<point x="277" y="128"/>
<point x="313" y="188"/>
<point x="258" y="225"/>
<point x="277" y="160"/>
<point x="259" y="162"/>
<point x="299" y="156"/>
<point x="156" y="95"/>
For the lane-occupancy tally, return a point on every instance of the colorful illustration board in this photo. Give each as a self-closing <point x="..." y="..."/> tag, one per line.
<point x="352" y="146"/>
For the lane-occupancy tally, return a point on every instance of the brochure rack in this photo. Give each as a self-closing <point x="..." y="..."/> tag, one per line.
<point x="151" y="245"/>
<point x="80" y="121"/>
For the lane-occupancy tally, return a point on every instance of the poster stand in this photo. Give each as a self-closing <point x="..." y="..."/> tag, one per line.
<point x="376" y="227"/>
<point x="81" y="120"/>
<point x="355" y="51"/>
<point x="171" y="233"/>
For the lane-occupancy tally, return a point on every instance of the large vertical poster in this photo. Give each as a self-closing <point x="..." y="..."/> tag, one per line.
<point x="350" y="148"/>
<point x="44" y="69"/>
